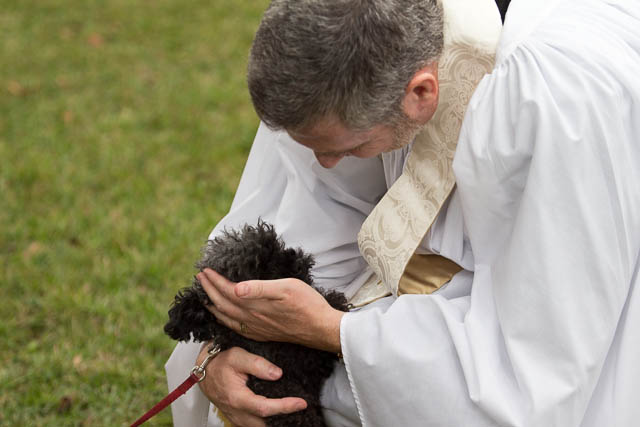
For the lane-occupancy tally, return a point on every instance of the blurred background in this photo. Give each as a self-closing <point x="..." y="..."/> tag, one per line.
<point x="124" y="128"/>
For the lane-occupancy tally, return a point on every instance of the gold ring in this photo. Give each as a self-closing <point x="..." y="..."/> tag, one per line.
<point x="243" y="328"/>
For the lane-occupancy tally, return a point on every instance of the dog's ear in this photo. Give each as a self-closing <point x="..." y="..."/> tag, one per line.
<point x="181" y="313"/>
<point x="301" y="265"/>
<point x="335" y="299"/>
<point x="188" y="316"/>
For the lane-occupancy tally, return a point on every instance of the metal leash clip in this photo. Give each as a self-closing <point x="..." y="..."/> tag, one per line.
<point x="200" y="370"/>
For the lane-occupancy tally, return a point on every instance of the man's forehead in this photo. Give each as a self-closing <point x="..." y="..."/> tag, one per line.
<point x="324" y="128"/>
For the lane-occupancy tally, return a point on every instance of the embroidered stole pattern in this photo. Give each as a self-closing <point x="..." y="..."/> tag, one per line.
<point x="390" y="235"/>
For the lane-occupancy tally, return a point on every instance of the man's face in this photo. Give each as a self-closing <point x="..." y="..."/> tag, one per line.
<point x="330" y="140"/>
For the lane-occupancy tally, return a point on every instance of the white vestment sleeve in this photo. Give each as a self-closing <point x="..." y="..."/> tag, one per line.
<point x="548" y="172"/>
<point x="311" y="207"/>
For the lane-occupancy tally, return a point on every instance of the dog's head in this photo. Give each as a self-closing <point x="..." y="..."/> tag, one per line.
<point x="245" y="254"/>
<point x="255" y="253"/>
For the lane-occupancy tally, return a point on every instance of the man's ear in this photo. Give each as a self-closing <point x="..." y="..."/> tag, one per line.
<point x="421" y="95"/>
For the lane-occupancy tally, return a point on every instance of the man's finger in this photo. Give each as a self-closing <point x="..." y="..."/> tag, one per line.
<point x="223" y="285"/>
<point x="260" y="406"/>
<point x="234" y="325"/>
<point x="263" y="407"/>
<point x="224" y="319"/>
<point x="249" y="363"/>
<point x="265" y="289"/>
<point x="220" y="302"/>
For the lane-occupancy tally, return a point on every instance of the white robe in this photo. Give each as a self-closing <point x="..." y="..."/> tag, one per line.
<point x="548" y="172"/>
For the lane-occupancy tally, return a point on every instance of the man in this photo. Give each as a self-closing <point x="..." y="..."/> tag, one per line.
<point x="541" y="334"/>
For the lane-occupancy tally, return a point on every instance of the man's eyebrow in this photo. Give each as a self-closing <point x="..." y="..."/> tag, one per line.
<point x="339" y="153"/>
<point x="331" y="153"/>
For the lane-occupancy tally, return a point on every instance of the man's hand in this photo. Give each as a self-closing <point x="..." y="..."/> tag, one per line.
<point x="225" y="385"/>
<point x="285" y="310"/>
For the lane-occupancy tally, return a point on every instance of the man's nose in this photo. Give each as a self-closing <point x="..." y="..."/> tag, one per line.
<point x="328" y="161"/>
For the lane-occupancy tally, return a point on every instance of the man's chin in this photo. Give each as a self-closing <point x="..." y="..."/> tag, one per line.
<point x="405" y="134"/>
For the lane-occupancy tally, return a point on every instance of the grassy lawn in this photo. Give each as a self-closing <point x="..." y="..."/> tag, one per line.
<point x="124" y="127"/>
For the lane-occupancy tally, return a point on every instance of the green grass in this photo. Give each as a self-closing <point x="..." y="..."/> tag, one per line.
<point x="124" y="127"/>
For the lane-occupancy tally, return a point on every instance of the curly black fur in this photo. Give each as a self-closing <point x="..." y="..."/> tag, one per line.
<point x="258" y="253"/>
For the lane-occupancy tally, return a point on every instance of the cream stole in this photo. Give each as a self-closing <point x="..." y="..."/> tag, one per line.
<point x="390" y="235"/>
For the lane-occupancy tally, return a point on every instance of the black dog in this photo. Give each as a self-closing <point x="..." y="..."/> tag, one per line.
<point x="258" y="253"/>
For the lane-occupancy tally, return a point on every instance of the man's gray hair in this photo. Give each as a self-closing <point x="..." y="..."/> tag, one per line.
<point x="348" y="59"/>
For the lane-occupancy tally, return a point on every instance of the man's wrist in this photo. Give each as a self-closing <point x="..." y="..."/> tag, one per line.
<point x="331" y="332"/>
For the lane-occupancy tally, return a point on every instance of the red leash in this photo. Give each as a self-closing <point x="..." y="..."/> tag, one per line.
<point x="197" y="374"/>
<point x="179" y="391"/>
